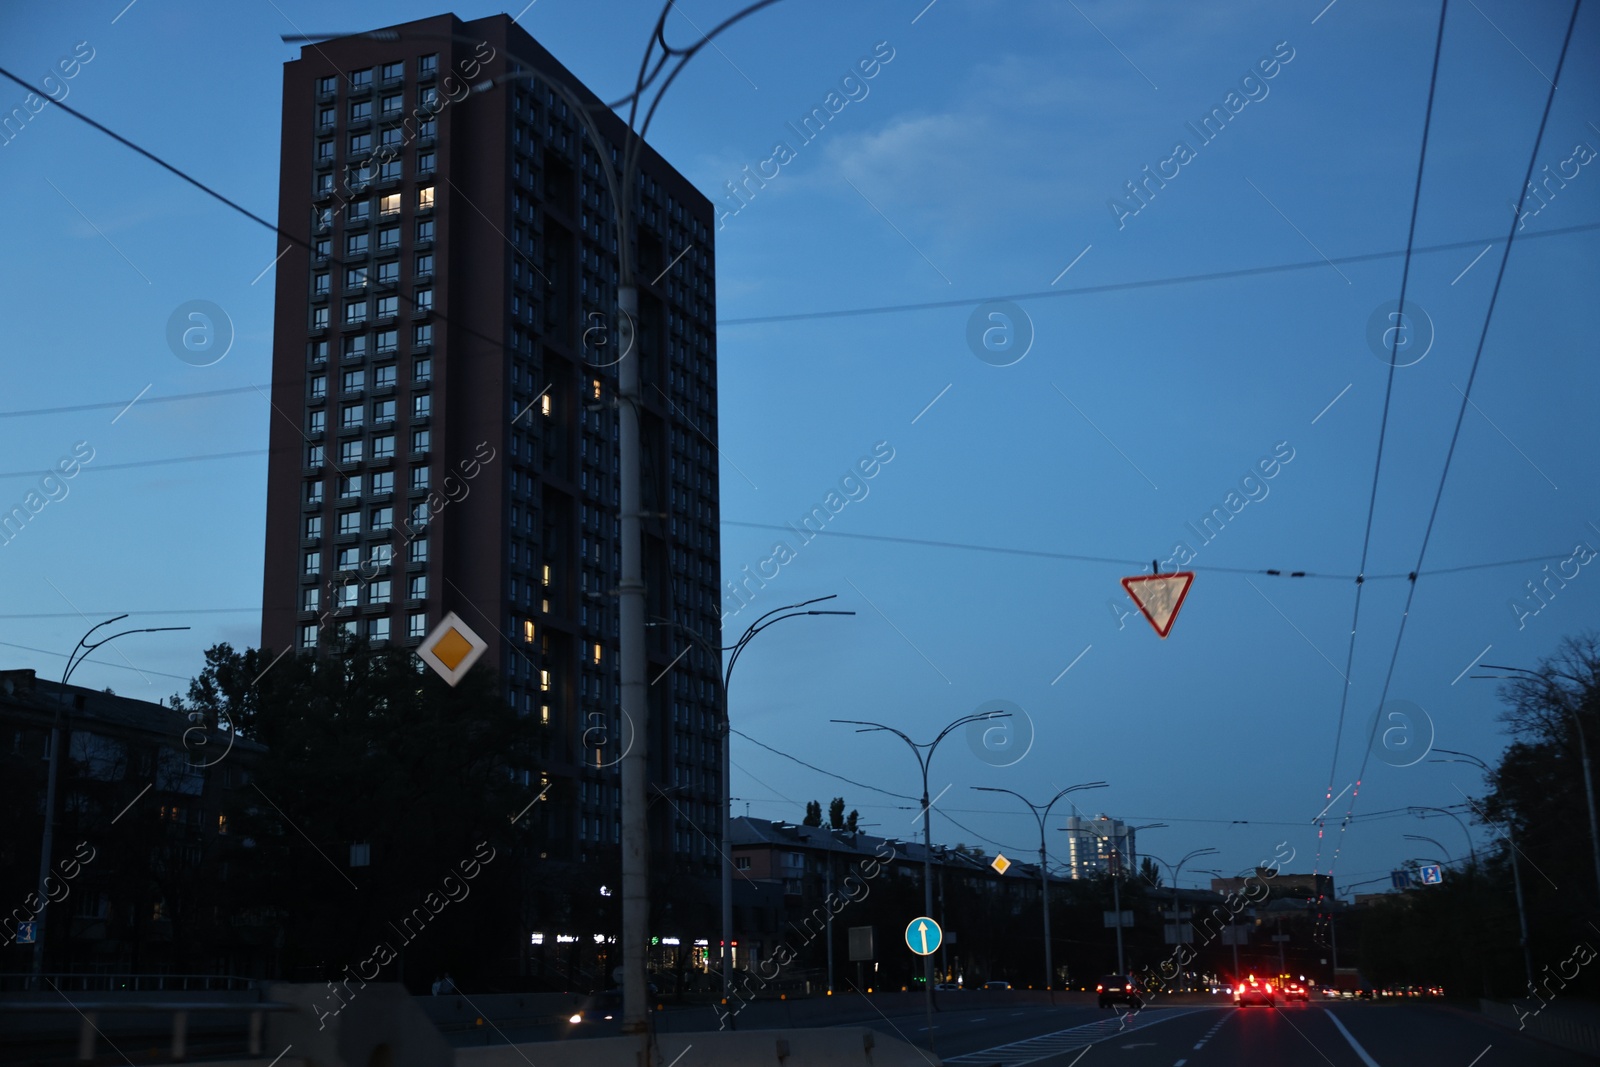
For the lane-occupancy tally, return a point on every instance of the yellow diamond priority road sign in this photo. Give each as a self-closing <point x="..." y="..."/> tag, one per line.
<point x="1000" y="864"/>
<point x="451" y="649"/>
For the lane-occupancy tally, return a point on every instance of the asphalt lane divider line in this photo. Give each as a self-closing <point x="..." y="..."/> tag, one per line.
<point x="1348" y="1036"/>
<point x="1033" y="1049"/>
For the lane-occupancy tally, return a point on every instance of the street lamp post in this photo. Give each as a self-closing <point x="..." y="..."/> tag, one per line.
<point x="1041" y="812"/>
<point x="724" y="679"/>
<point x="1583" y="748"/>
<point x="1116" y="878"/>
<point x="1516" y="868"/>
<point x="923" y="759"/>
<point x="1177" y="921"/>
<point x="1418" y="809"/>
<point x="80" y="652"/>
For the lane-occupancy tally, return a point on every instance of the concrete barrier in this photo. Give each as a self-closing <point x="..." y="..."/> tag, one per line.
<point x="1569" y="1024"/>
<point x="827" y="1047"/>
<point x="376" y="1025"/>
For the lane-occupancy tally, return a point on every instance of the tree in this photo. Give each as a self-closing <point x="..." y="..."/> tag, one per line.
<point x="836" y="813"/>
<point x="1149" y="872"/>
<point x="852" y="820"/>
<point x="813" y="814"/>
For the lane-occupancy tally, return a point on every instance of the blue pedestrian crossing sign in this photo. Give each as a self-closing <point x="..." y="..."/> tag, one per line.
<point x="27" y="933"/>
<point x="923" y="936"/>
<point x="1431" y="875"/>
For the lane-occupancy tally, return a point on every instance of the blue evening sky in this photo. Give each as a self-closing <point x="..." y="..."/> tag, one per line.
<point x="979" y="161"/>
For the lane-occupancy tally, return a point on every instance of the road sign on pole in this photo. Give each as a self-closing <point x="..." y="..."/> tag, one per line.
<point x="1159" y="597"/>
<point x="861" y="947"/>
<point x="923" y="936"/>
<point x="1431" y="874"/>
<point x="1400" y="879"/>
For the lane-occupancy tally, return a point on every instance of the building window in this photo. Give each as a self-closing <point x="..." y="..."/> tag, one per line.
<point x="358" y="211"/>
<point x="313" y="456"/>
<point x="349" y="453"/>
<point x="349" y="419"/>
<point x="419" y="477"/>
<point x="316" y="422"/>
<point x="325" y="117"/>
<point x="319" y="386"/>
<point x="421" y="440"/>
<point x="422" y="335"/>
<point x="421" y="406"/>
<point x="383" y="411"/>
<point x="321" y="248"/>
<point x="418" y="553"/>
<point x="349" y="522"/>
<point x="424" y="229"/>
<point x="419" y="516"/>
<point x="417" y="587"/>
<point x="393" y="72"/>
<point x="308" y="635"/>
<point x="382" y="519"/>
<point x="324" y="185"/>
<point x="378" y="592"/>
<point x="382" y="483"/>
<point x="319" y="318"/>
<point x="428" y="66"/>
<point x="312" y="563"/>
<point x="355" y="311"/>
<point x="382" y="555"/>
<point x="355" y="347"/>
<point x="389" y="205"/>
<point x="360" y="177"/>
<point x="378" y="629"/>
<point x="390" y="138"/>
<point x="360" y="144"/>
<point x="425" y="264"/>
<point x="389" y="239"/>
<point x="383" y="376"/>
<point x="311" y="599"/>
<point x="424" y="300"/>
<point x="417" y="625"/>
<point x="313" y="493"/>
<point x="388" y="307"/>
<point x="388" y="273"/>
<point x="356" y="244"/>
<point x="313" y="527"/>
<point x="389" y="170"/>
<point x="324" y="151"/>
<point x="426" y="161"/>
<point x="425" y="198"/>
<point x="360" y="110"/>
<point x="422" y="370"/>
<point x="349" y="486"/>
<point x="319" y="283"/>
<point x="349" y="560"/>
<point x="392" y="102"/>
<point x="388" y="341"/>
<point x="355" y="278"/>
<point x="318" y="352"/>
<point x="326" y="85"/>
<point x="361" y="79"/>
<point x="383" y="444"/>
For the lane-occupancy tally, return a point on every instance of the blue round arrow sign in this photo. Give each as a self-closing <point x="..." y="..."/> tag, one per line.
<point x="923" y="936"/>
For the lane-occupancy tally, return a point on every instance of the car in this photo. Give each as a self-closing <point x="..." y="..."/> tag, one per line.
<point x="1296" y="991"/>
<point x="1119" y="989"/>
<point x="1254" y="990"/>
<point x="947" y="987"/>
<point x="997" y="984"/>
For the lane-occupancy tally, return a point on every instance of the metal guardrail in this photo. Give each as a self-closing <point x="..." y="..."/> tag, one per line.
<point x="90" y="1011"/>
<point x="1558" y="1028"/>
<point x="14" y="982"/>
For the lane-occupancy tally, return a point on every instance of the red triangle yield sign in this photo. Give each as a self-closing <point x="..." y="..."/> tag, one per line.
<point x="1159" y="597"/>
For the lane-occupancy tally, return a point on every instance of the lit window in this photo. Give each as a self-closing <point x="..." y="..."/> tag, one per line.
<point x="424" y="300"/>
<point x="424" y="264"/>
<point x="544" y="681"/>
<point x="426" y="161"/>
<point x="544" y="714"/>
<point x="319" y="318"/>
<point x="316" y="422"/>
<point x="312" y="563"/>
<point x="349" y="452"/>
<point x="349" y="522"/>
<point x="383" y="445"/>
<point x="313" y="527"/>
<point x="387" y="341"/>
<point x="425" y="198"/>
<point x="417" y="625"/>
<point x="418" y="552"/>
<point x="527" y="631"/>
<point x="356" y="244"/>
<point x="421" y="440"/>
<point x="349" y="486"/>
<point x="360" y="110"/>
<point x="422" y="370"/>
<point x="597" y="653"/>
<point x="389" y="238"/>
<point x="361" y="79"/>
<point x="417" y="587"/>
<point x="378" y="592"/>
<point x="428" y="66"/>
<point x="388" y="307"/>
<point x="355" y="347"/>
<point x="421" y="406"/>
<point x="349" y="560"/>
<point x="378" y="629"/>
<point x="388" y="273"/>
<point x="419" y="476"/>
<point x="382" y="519"/>
<point x="544" y="404"/>
<point x="382" y="482"/>
<point x="389" y="205"/>
<point x="383" y="411"/>
<point x="319" y="386"/>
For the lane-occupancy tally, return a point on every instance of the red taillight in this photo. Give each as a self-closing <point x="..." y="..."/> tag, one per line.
<point x="1099" y="988"/>
<point x="1127" y="989"/>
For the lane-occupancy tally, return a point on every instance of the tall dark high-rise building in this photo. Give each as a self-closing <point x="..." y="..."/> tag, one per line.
<point x="444" y="434"/>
